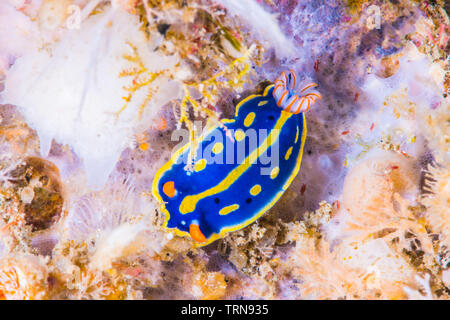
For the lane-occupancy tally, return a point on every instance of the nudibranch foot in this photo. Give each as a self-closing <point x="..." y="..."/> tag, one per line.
<point x="236" y="180"/>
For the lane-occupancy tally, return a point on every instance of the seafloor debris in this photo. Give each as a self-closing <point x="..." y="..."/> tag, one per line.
<point x="95" y="95"/>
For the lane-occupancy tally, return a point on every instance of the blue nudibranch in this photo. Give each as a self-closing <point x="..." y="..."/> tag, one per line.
<point x="228" y="189"/>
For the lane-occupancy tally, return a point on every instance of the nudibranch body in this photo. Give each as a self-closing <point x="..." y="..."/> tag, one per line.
<point x="241" y="170"/>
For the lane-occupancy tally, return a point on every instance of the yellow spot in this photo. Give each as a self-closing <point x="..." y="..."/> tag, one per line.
<point x="143" y="146"/>
<point x="288" y="153"/>
<point x="274" y="172"/>
<point x="196" y="233"/>
<point x="190" y="202"/>
<point x="255" y="190"/>
<point x="249" y="119"/>
<point x="169" y="189"/>
<point x="227" y="120"/>
<point x="296" y="136"/>
<point x="218" y="148"/>
<point x="228" y="209"/>
<point x="262" y="103"/>
<point x="200" y="165"/>
<point x="239" y="135"/>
